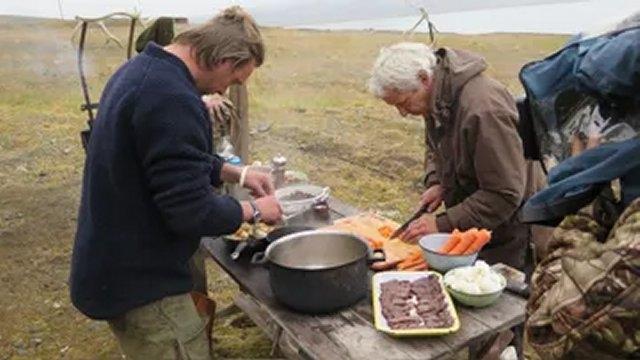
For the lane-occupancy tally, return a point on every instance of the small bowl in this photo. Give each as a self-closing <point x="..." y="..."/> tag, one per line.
<point x="292" y="207"/>
<point x="476" y="300"/>
<point x="442" y="262"/>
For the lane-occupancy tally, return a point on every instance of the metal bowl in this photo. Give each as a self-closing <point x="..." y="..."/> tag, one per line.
<point x="442" y="262"/>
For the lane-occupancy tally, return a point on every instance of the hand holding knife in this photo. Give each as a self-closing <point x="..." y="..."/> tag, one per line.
<point x="423" y="209"/>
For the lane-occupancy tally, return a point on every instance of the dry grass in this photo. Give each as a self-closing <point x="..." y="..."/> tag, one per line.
<point x="312" y="92"/>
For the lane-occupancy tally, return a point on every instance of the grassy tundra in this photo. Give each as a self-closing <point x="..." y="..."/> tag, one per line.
<point x="312" y="92"/>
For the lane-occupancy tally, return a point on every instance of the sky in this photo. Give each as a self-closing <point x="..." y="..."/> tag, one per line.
<point x="464" y="16"/>
<point x="562" y="18"/>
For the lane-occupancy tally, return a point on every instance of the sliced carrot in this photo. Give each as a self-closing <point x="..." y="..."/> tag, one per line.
<point x="385" y="231"/>
<point x="375" y="244"/>
<point x="453" y="240"/>
<point x="411" y="259"/>
<point x="415" y="255"/>
<point x="482" y="238"/>
<point x="421" y="266"/>
<point x="412" y="262"/>
<point x="467" y="238"/>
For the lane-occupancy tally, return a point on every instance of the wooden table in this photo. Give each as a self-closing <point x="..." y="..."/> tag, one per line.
<point x="350" y="334"/>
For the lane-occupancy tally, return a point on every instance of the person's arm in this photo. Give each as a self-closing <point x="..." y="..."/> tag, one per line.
<point x="500" y="170"/>
<point x="430" y="162"/>
<point x="171" y="142"/>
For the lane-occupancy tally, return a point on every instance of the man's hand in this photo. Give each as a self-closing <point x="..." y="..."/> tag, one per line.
<point x="432" y="197"/>
<point x="270" y="210"/>
<point x="218" y="105"/>
<point x="426" y="224"/>
<point x="260" y="183"/>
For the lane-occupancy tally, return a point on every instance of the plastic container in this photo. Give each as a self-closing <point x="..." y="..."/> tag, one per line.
<point x="293" y="207"/>
<point x="234" y="160"/>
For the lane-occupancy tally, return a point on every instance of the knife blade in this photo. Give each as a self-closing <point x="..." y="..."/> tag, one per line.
<point x="423" y="209"/>
<point x="516" y="280"/>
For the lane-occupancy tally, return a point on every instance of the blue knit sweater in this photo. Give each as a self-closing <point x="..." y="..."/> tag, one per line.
<point x="147" y="195"/>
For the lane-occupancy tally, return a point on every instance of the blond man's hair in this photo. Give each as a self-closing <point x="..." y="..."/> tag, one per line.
<point x="233" y="34"/>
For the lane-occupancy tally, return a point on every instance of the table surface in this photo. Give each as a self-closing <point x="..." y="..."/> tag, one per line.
<point x="350" y="333"/>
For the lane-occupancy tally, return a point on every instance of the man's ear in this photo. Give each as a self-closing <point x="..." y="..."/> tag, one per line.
<point x="222" y="65"/>
<point x="425" y="79"/>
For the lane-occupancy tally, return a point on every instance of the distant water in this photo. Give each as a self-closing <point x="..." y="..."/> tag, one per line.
<point x="563" y="18"/>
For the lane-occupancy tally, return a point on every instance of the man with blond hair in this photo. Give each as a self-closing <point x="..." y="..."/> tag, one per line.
<point x="147" y="195"/>
<point x="474" y="158"/>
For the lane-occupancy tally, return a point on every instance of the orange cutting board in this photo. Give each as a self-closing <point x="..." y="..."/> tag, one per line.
<point x="366" y="225"/>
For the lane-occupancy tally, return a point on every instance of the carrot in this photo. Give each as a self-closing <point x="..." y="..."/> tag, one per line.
<point x="421" y="266"/>
<point x="482" y="238"/>
<point x="385" y="231"/>
<point x="375" y="244"/>
<point x="467" y="238"/>
<point x="453" y="240"/>
<point x="415" y="255"/>
<point x="407" y="263"/>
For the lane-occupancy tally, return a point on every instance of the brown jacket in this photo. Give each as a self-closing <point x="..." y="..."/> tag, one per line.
<point x="474" y="151"/>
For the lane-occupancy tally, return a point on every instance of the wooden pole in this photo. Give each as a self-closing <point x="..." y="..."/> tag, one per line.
<point x="239" y="95"/>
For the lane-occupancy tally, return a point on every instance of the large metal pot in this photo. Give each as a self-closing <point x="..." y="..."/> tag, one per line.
<point x="318" y="271"/>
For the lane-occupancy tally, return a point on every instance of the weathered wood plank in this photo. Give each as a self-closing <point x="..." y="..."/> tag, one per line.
<point x="506" y="313"/>
<point x="360" y="340"/>
<point x="260" y="317"/>
<point x="350" y="333"/>
<point x="471" y="330"/>
<point x="416" y="347"/>
<point x="298" y="336"/>
<point x="281" y="339"/>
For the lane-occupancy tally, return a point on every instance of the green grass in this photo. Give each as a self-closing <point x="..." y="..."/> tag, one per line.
<point x="312" y="91"/>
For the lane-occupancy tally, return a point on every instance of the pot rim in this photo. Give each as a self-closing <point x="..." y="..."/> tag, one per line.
<point x="292" y="237"/>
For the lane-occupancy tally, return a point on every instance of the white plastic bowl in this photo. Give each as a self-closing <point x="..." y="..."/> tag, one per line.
<point x="442" y="262"/>
<point x="475" y="300"/>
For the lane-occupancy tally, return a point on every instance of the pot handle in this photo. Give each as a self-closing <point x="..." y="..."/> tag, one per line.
<point x="235" y="255"/>
<point x="259" y="258"/>
<point x="376" y="256"/>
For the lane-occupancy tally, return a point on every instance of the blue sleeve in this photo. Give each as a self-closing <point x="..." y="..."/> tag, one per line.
<point x="216" y="170"/>
<point x="173" y="146"/>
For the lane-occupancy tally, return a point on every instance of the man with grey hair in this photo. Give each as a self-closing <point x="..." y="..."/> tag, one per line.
<point x="474" y="159"/>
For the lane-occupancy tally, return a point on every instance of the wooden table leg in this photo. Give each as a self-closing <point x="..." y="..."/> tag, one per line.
<point x="282" y="341"/>
<point x="491" y="348"/>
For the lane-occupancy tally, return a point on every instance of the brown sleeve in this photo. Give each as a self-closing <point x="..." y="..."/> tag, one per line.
<point x="430" y="161"/>
<point x="499" y="164"/>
